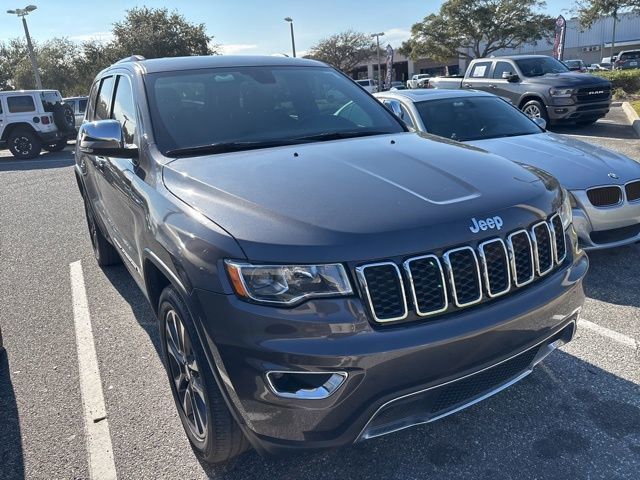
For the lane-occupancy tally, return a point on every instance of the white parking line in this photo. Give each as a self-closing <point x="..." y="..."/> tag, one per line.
<point x="605" y="332"/>
<point x="100" y="451"/>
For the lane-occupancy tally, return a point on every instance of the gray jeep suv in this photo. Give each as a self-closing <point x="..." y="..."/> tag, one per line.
<point x="320" y="274"/>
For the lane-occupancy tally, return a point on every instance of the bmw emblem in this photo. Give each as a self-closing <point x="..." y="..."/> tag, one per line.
<point x="614" y="176"/>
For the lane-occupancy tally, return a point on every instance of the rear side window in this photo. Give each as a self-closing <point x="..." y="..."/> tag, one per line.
<point x="124" y="110"/>
<point x="82" y="105"/>
<point x="21" y="104"/>
<point x="480" y="70"/>
<point x="49" y="100"/>
<point x="103" y="103"/>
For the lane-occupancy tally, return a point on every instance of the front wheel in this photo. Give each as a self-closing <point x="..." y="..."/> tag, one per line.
<point x="214" y="434"/>
<point x="535" y="109"/>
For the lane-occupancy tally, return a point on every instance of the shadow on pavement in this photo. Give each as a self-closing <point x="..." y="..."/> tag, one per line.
<point x="569" y="419"/>
<point x="44" y="162"/>
<point x="613" y="276"/>
<point x="11" y="459"/>
<point x="599" y="129"/>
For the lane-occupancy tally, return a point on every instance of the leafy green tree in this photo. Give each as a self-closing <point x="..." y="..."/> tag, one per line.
<point x="477" y="28"/>
<point x="344" y="50"/>
<point x="156" y="32"/>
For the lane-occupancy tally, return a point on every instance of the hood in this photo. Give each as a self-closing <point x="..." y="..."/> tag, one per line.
<point x="569" y="80"/>
<point x="577" y="165"/>
<point x="358" y="199"/>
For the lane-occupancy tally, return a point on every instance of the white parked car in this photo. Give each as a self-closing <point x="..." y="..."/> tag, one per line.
<point x="415" y="80"/>
<point x="33" y="120"/>
<point x="604" y="185"/>
<point x="368" y="84"/>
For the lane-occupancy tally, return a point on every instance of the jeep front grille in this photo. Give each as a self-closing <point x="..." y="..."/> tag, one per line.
<point x="604" y="196"/>
<point x="464" y="276"/>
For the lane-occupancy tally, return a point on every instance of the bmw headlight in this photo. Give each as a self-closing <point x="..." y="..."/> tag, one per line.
<point x="287" y="284"/>
<point x="561" y="92"/>
<point x="566" y="210"/>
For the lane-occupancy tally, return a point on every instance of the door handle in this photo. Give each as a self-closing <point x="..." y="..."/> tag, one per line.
<point x="468" y="85"/>
<point x="491" y="85"/>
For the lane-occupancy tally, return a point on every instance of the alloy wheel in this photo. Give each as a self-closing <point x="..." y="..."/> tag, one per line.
<point x="185" y="373"/>
<point x="532" y="111"/>
<point x="23" y="145"/>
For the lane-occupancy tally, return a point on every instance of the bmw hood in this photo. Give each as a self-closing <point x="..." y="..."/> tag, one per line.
<point x="360" y="199"/>
<point x="577" y="165"/>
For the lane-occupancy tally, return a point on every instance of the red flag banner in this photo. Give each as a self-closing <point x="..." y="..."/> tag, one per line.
<point x="558" y="42"/>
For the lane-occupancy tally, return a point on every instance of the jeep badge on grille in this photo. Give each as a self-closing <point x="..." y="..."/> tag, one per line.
<point x="491" y="222"/>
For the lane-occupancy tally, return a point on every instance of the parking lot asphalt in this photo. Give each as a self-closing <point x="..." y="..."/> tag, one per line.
<point x="577" y="416"/>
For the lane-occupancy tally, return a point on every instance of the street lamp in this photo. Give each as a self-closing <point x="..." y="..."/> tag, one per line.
<point x="377" y="37"/>
<point x="293" y="39"/>
<point x="23" y="12"/>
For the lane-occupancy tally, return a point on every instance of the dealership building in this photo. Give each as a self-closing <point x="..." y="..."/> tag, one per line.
<point x="591" y="45"/>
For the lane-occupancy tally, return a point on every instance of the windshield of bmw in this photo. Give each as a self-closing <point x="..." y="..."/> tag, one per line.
<point x="474" y="118"/>
<point x="539" y="66"/>
<point x="230" y="109"/>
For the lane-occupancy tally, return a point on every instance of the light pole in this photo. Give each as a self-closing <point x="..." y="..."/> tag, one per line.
<point x="377" y="37"/>
<point x="293" y="38"/>
<point x="23" y="12"/>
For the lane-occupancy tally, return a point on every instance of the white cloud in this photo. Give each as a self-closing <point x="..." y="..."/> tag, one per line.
<point x="237" y="48"/>
<point x="395" y="37"/>
<point x="102" y="37"/>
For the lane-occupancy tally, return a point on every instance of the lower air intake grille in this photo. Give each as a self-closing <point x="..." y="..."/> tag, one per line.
<point x="383" y="285"/>
<point x="633" y="191"/>
<point x="604" y="196"/>
<point x="465" y="275"/>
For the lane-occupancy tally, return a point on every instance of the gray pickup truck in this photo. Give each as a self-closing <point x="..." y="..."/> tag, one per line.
<point x="540" y="86"/>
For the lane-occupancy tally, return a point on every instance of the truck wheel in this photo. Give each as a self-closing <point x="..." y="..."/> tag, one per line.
<point x="24" y="144"/>
<point x="55" y="147"/>
<point x="210" y="427"/>
<point x="104" y="252"/>
<point x="535" y="109"/>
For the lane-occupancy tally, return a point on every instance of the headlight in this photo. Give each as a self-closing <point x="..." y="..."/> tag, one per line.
<point x="287" y="284"/>
<point x="566" y="210"/>
<point x="561" y="92"/>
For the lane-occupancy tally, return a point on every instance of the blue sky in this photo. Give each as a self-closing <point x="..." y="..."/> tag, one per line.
<point x="241" y="26"/>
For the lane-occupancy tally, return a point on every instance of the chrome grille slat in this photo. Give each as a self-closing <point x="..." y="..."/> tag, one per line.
<point x="495" y="268"/>
<point x="542" y="247"/>
<point x="425" y="286"/>
<point x="491" y="268"/>
<point x="521" y="256"/>
<point x="468" y="281"/>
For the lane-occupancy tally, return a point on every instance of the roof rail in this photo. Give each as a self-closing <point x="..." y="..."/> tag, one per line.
<point x="132" y="58"/>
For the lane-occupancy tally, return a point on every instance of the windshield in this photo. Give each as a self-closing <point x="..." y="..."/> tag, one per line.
<point x="635" y="55"/>
<point x="246" y="106"/>
<point x="474" y="118"/>
<point x="49" y="100"/>
<point x="536" y="67"/>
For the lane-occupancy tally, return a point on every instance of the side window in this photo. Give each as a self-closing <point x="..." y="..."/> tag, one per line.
<point x="502" y="67"/>
<point x="0" y="106"/>
<point x="124" y="110"/>
<point x="21" y="104"/>
<point x="82" y="105"/>
<point x="480" y="70"/>
<point x="406" y="116"/>
<point x="103" y="102"/>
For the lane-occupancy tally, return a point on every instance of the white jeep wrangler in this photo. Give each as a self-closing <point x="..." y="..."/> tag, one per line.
<point x="32" y="120"/>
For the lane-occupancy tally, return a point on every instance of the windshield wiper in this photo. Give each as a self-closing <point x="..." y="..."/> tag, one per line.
<point x="326" y="136"/>
<point x="225" y="147"/>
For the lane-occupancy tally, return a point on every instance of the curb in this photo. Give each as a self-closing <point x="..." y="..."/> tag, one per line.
<point x="633" y="117"/>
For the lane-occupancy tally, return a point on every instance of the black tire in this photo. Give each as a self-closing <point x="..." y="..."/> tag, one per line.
<point x="534" y="108"/>
<point x="217" y="438"/>
<point x="104" y="252"/>
<point x="24" y="144"/>
<point x="64" y="118"/>
<point x="55" y="147"/>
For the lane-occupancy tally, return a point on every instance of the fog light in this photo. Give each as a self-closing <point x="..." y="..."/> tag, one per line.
<point x="305" y="385"/>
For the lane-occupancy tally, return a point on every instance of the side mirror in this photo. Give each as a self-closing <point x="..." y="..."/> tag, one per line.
<point x="541" y="122"/>
<point x="394" y="106"/>
<point x="513" y="78"/>
<point x="104" y="138"/>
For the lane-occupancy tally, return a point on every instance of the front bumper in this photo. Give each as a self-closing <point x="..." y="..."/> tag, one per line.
<point x="383" y="363"/>
<point x="578" y="112"/>
<point x="605" y="227"/>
